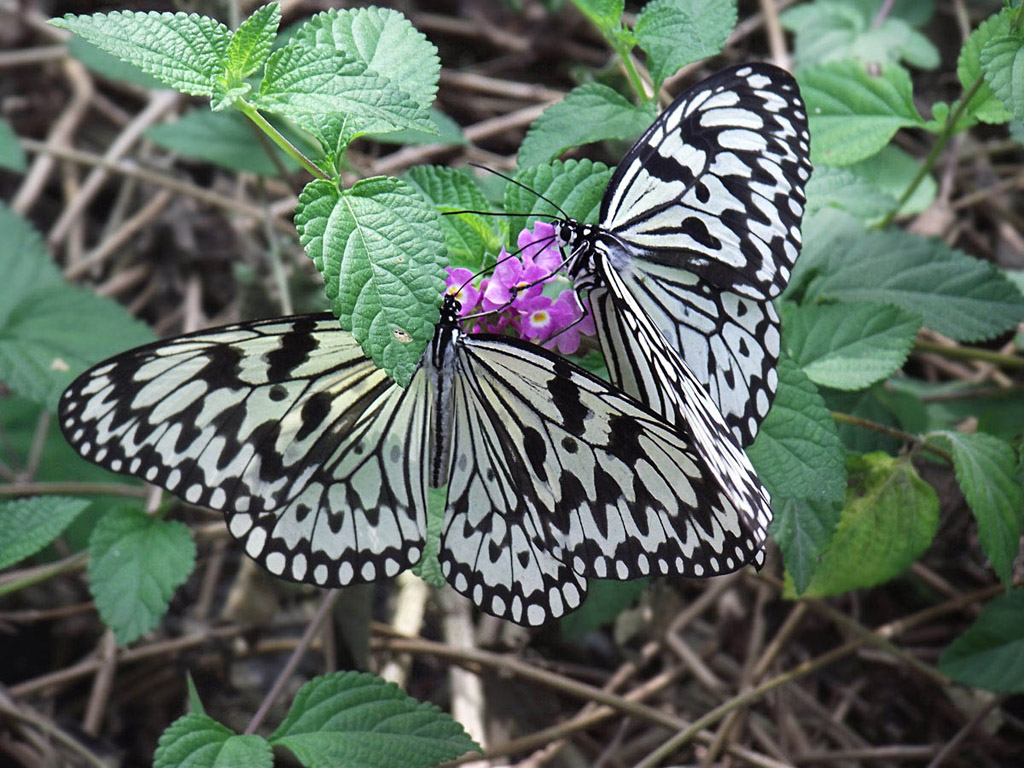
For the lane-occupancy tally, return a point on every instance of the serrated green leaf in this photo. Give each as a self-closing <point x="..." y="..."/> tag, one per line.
<point x="675" y="33"/>
<point x="429" y="566"/>
<point x="225" y="138"/>
<point x="891" y="170"/>
<point x="334" y="95"/>
<point x="605" y="600"/>
<point x="12" y="156"/>
<point x="1002" y="61"/>
<point x="847" y="346"/>
<point x="990" y="654"/>
<point x="182" y="50"/>
<point x="845" y="190"/>
<point x="986" y="469"/>
<point x="250" y="45"/>
<point x="447" y="131"/>
<point x="50" y="331"/>
<point x="605" y="14"/>
<point x="107" y="65"/>
<point x="889" y="519"/>
<point x="588" y="113"/>
<point x="198" y="741"/>
<point x="136" y="563"/>
<point x="28" y="525"/>
<point x="853" y="114"/>
<point x="469" y="237"/>
<point x="380" y="247"/>
<point x="984" y="105"/>
<point x="355" y="720"/>
<point x="827" y="233"/>
<point x="962" y="297"/>
<point x="798" y="456"/>
<point x="577" y="186"/>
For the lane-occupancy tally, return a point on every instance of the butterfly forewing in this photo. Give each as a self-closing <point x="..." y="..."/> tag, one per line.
<point x="312" y="453"/>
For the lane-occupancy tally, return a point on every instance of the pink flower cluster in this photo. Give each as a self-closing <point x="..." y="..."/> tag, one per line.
<point x="514" y="293"/>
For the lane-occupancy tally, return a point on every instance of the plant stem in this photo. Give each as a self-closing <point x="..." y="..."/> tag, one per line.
<point x="631" y="71"/>
<point x="275" y="135"/>
<point x="970" y="353"/>
<point x="944" y="136"/>
<point x="882" y="429"/>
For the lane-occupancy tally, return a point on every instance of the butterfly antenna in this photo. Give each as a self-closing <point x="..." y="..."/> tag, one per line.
<point x="520" y="184"/>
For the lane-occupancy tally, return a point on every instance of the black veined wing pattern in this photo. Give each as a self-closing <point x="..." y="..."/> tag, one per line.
<point x="321" y="463"/>
<point x="701" y="220"/>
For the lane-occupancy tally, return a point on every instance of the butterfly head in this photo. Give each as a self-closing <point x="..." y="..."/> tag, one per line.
<point x="450" y="309"/>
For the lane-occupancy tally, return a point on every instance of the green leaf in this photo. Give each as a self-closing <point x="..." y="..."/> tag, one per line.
<point x="355" y="720"/>
<point x="984" y="105"/>
<point x="957" y="295"/>
<point x="429" y="566"/>
<point x="675" y="33"/>
<point x="827" y="232"/>
<point x="250" y="45"/>
<point x="28" y="525"/>
<point x="12" y="156"/>
<point x="891" y="170"/>
<point x="845" y="190"/>
<point x="605" y="14"/>
<point x="588" y="113"/>
<point x="468" y="237"/>
<point x="447" y="131"/>
<point x="109" y="66"/>
<point x="847" y="346"/>
<point x="182" y="50"/>
<point x="799" y="458"/>
<point x="1002" y="61"/>
<point x="853" y="114"/>
<point x="577" y="186"/>
<point x="136" y="563"/>
<point x="226" y="138"/>
<point x="990" y="654"/>
<point x="380" y="247"/>
<point x="875" y="404"/>
<point x="50" y="331"/>
<point x="986" y="469"/>
<point x="889" y="519"/>
<point x="198" y="741"/>
<point x="605" y="600"/>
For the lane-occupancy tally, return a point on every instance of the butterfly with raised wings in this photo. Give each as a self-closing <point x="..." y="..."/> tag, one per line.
<point x="699" y="229"/>
<point x="321" y="464"/>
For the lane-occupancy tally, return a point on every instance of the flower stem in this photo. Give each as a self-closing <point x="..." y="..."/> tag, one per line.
<point x="275" y="135"/>
<point x="970" y="353"/>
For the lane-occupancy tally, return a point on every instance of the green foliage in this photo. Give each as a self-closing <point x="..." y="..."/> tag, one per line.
<point x="889" y="519"/>
<point x="380" y="249"/>
<point x="891" y="171"/>
<point x="847" y="346"/>
<point x="605" y="600"/>
<point x="984" y="105"/>
<point x="605" y="14"/>
<point x="986" y="469"/>
<point x="847" y="191"/>
<point x="1002" y="61"/>
<point x="990" y="654"/>
<point x="853" y="113"/>
<point x="799" y="458"/>
<point x="50" y="331"/>
<point x="250" y="45"/>
<point x="429" y="566"/>
<point x="608" y="116"/>
<point x="28" y="525"/>
<point x="109" y="66"/>
<point x="137" y="561"/>
<point x="577" y="186"/>
<point x="12" y="156"/>
<point x="197" y="741"/>
<point x="675" y="33"/>
<point x="956" y="294"/>
<point x="353" y="720"/>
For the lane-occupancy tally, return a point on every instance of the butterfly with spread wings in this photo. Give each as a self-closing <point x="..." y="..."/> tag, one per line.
<point x="321" y="464"/>
<point x="699" y="230"/>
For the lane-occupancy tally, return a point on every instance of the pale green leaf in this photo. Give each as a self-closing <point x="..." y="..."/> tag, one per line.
<point x="109" y="66"/>
<point x="889" y="519"/>
<point x="984" y="105"/>
<point x="957" y="295"/>
<point x="990" y="654"/>
<point x="197" y="741"/>
<point x="986" y="469"/>
<point x="380" y="247"/>
<point x="846" y="346"/>
<point x="1002" y="60"/>
<point x="852" y="113"/>
<point x="355" y="720"/>
<point x="675" y="33"/>
<point x="250" y="45"/>
<point x="12" y="156"/>
<point x="136" y="563"/>
<point x="182" y="50"/>
<point x="27" y="525"/>
<point x="576" y="186"/>
<point x="605" y="14"/>
<point x="589" y="113"/>
<point x="429" y="566"/>
<point x="891" y="170"/>
<point x="841" y="188"/>
<point x="447" y="131"/>
<point x="605" y="600"/>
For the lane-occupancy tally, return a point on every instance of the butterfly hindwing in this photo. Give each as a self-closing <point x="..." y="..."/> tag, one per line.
<point x="313" y="454"/>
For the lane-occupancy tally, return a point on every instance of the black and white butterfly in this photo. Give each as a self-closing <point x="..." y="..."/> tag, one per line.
<point x="699" y="229"/>
<point x="321" y="464"/>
